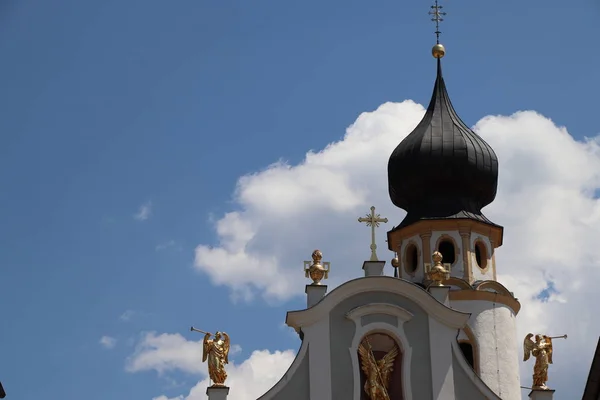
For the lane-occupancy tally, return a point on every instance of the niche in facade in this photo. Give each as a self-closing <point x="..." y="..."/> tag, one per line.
<point x="380" y="351"/>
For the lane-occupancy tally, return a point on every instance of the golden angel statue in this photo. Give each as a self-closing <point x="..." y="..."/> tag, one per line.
<point x="378" y="372"/>
<point x="216" y="351"/>
<point x="542" y="351"/>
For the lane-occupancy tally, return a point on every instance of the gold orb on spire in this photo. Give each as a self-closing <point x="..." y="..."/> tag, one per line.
<point x="438" y="51"/>
<point x="395" y="261"/>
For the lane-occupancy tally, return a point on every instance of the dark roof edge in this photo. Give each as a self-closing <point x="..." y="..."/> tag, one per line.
<point x="592" y="386"/>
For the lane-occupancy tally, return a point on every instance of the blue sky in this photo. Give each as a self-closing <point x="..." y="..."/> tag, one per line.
<point x="109" y="106"/>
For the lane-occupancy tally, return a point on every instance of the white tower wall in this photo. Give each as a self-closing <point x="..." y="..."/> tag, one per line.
<point x="497" y="350"/>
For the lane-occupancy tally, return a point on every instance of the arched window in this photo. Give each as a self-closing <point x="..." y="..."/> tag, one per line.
<point x="411" y="259"/>
<point x="481" y="254"/>
<point x="446" y="247"/>
<point x="467" y="350"/>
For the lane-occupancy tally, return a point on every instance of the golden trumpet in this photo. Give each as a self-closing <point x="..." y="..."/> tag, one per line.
<point x="198" y="330"/>
<point x="558" y="337"/>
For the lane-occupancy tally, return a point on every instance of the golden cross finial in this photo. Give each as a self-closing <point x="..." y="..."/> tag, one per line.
<point x="373" y="221"/>
<point x="437" y="18"/>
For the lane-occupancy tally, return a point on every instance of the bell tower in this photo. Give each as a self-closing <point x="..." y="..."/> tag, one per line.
<point x="443" y="174"/>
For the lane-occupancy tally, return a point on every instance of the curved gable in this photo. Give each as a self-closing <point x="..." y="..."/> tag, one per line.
<point x="444" y="315"/>
<point x="294" y="384"/>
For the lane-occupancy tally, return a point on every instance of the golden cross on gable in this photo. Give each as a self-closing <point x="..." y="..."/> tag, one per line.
<point x="373" y="221"/>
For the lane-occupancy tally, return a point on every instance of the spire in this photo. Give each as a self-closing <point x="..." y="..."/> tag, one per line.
<point x="442" y="169"/>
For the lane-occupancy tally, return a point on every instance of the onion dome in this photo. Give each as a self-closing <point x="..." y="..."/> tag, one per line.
<point x="442" y="169"/>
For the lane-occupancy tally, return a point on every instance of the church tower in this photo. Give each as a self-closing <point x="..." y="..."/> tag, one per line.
<point x="442" y="174"/>
<point x="441" y="328"/>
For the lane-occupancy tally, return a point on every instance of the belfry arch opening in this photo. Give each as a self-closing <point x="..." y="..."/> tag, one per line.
<point x="411" y="258"/>
<point x="481" y="256"/>
<point x="446" y="247"/>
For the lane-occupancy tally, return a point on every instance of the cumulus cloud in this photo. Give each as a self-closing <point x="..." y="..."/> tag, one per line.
<point x="171" y="352"/>
<point x="546" y="202"/>
<point x="252" y="378"/>
<point x="166" y="352"/>
<point x="108" y="342"/>
<point x="144" y="212"/>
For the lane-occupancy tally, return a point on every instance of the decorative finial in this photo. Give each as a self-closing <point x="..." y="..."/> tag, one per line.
<point x="542" y="351"/>
<point x="373" y="221"/>
<point x="437" y="273"/>
<point x="438" y="50"/>
<point x="317" y="270"/>
<point x="395" y="264"/>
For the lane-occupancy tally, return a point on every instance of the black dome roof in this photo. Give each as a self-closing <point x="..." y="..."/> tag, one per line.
<point x="442" y="169"/>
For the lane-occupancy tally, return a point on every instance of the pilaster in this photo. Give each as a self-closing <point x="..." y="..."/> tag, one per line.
<point x="373" y="268"/>
<point x="440" y="293"/>
<point x="426" y="243"/>
<point x="319" y="354"/>
<point x="493" y="249"/>
<point x="442" y="374"/>
<point x="465" y="235"/>
<point x="314" y="294"/>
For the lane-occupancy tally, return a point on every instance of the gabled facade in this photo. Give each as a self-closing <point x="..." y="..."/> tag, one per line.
<point x="431" y="364"/>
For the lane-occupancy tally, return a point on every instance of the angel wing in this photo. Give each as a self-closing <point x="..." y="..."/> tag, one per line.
<point x="386" y="365"/>
<point x="365" y="358"/>
<point x="226" y="346"/>
<point x="205" y="348"/>
<point x="549" y="348"/>
<point x="528" y="346"/>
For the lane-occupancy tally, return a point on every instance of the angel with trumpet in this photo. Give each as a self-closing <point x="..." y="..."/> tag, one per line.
<point x="216" y="351"/>
<point x="542" y="351"/>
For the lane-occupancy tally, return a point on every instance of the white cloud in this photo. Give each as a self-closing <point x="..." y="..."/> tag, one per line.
<point x="166" y="352"/>
<point x="126" y="316"/>
<point x="144" y="212"/>
<point x="252" y="378"/>
<point x="108" y="342"/>
<point x="545" y="202"/>
<point x="248" y="380"/>
<point x="167" y="398"/>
